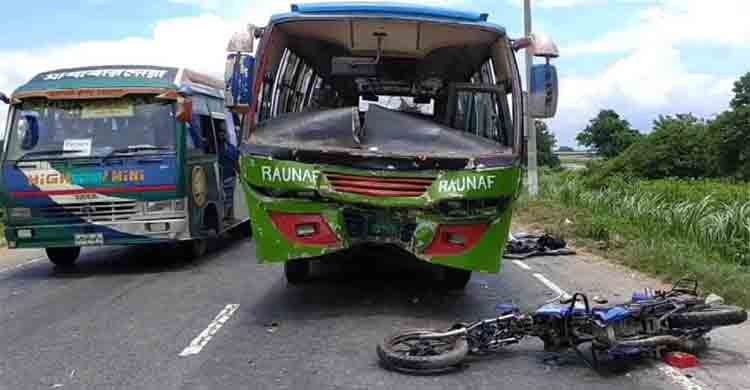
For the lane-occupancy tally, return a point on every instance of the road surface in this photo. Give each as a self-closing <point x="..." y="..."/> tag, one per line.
<point x="146" y="319"/>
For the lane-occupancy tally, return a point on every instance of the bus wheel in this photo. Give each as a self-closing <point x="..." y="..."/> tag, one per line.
<point x="454" y="278"/>
<point x="63" y="257"/>
<point x="297" y="271"/>
<point x="198" y="247"/>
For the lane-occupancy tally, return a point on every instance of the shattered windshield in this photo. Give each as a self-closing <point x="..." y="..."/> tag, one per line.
<point x="44" y="128"/>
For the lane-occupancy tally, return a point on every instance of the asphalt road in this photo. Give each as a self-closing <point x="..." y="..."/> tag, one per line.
<point x="146" y="319"/>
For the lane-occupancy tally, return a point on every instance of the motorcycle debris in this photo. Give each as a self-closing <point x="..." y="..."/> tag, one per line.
<point x="680" y="359"/>
<point x="271" y="327"/>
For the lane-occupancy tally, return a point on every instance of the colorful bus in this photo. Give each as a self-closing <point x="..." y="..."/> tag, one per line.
<point x="119" y="155"/>
<point x="383" y="124"/>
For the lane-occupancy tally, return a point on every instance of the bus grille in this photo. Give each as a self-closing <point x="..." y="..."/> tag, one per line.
<point x="91" y="211"/>
<point x="379" y="186"/>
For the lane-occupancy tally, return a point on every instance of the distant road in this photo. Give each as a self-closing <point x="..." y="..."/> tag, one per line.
<point x="576" y="160"/>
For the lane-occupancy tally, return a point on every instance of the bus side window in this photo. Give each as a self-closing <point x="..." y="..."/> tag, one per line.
<point x="209" y="146"/>
<point x="200" y="139"/>
<point x="220" y="126"/>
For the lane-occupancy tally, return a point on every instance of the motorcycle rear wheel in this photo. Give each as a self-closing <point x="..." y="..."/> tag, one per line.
<point x="406" y="352"/>
<point x="710" y="316"/>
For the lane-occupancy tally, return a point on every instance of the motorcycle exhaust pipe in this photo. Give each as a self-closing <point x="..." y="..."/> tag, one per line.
<point x="665" y="341"/>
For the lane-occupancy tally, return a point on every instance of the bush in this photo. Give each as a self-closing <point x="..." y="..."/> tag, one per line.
<point x="679" y="146"/>
<point x="664" y="209"/>
<point x="671" y="227"/>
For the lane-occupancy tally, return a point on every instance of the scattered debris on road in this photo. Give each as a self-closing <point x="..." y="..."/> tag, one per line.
<point x="524" y="245"/>
<point x="271" y="326"/>
<point x="680" y="359"/>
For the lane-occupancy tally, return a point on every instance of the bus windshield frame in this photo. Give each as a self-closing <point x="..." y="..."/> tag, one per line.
<point x="41" y="129"/>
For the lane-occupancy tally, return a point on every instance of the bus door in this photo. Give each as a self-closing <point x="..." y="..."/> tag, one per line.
<point x="227" y="150"/>
<point x="204" y="175"/>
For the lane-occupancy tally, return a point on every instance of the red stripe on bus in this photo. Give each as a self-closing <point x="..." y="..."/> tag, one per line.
<point x="32" y="194"/>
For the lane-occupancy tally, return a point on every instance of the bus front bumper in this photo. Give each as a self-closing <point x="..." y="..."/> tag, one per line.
<point x="97" y="234"/>
<point x="287" y="229"/>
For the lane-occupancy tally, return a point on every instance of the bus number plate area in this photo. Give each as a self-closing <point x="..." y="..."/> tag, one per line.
<point x="379" y="225"/>
<point x="88" y="239"/>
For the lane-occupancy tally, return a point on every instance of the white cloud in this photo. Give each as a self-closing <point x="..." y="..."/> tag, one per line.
<point x="204" y="4"/>
<point x="194" y="42"/>
<point x="575" y="3"/>
<point x="650" y="77"/>
<point x="677" y="22"/>
<point x="645" y="83"/>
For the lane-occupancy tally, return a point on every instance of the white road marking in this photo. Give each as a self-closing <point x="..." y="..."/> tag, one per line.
<point x="522" y="264"/>
<point x="678" y="378"/>
<point x="551" y="285"/>
<point x="17" y="266"/>
<point x="202" y="339"/>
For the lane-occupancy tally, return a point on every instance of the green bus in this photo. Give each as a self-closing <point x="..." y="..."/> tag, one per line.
<point x="383" y="124"/>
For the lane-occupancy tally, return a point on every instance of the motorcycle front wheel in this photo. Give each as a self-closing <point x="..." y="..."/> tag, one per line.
<point x="407" y="352"/>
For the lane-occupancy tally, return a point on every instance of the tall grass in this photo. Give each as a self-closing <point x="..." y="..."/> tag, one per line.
<point x="719" y="220"/>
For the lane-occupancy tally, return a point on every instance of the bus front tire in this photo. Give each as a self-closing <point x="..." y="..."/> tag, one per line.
<point x="198" y="247"/>
<point x="297" y="271"/>
<point x="195" y="248"/>
<point x="63" y="257"/>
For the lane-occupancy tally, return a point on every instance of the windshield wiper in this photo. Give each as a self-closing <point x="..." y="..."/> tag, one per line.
<point x="44" y="152"/>
<point x="138" y="148"/>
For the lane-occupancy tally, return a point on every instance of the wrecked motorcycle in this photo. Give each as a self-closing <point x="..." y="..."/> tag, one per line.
<point x="651" y="323"/>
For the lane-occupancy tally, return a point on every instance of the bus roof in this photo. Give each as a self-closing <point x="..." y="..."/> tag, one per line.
<point x="121" y="77"/>
<point x="400" y="11"/>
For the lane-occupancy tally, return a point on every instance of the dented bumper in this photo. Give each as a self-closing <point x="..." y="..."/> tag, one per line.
<point x="453" y="218"/>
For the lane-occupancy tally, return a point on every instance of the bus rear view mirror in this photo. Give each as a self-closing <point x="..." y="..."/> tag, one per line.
<point x="544" y="91"/>
<point x="544" y="46"/>
<point x="353" y="66"/>
<point x="238" y="82"/>
<point x="4" y="98"/>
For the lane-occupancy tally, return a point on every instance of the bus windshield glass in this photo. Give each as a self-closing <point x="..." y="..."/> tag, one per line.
<point x="42" y="128"/>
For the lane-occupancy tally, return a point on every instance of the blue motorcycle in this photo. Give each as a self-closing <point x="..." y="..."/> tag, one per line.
<point x="651" y="323"/>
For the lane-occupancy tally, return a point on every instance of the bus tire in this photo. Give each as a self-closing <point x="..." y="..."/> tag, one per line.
<point x="297" y="271"/>
<point x="195" y="248"/>
<point x="63" y="257"/>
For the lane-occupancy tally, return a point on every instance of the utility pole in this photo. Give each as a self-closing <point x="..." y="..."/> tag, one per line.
<point x="533" y="179"/>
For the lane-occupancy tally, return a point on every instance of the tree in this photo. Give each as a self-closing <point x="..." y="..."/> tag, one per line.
<point x="608" y="133"/>
<point x="677" y="147"/>
<point x="730" y="133"/>
<point x="741" y="92"/>
<point x="545" y="143"/>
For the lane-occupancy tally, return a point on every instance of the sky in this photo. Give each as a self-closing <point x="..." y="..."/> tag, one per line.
<point x="641" y="58"/>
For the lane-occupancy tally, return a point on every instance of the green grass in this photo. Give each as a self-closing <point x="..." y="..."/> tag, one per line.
<point x="668" y="228"/>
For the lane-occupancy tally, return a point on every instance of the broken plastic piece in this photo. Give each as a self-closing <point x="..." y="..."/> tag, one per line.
<point x="680" y="359"/>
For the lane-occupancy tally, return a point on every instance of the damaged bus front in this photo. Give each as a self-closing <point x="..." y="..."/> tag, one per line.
<point x="386" y="124"/>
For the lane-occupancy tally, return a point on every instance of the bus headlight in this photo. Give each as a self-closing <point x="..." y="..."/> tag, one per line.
<point x="159" y="206"/>
<point x="24" y="233"/>
<point x="19" y="212"/>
